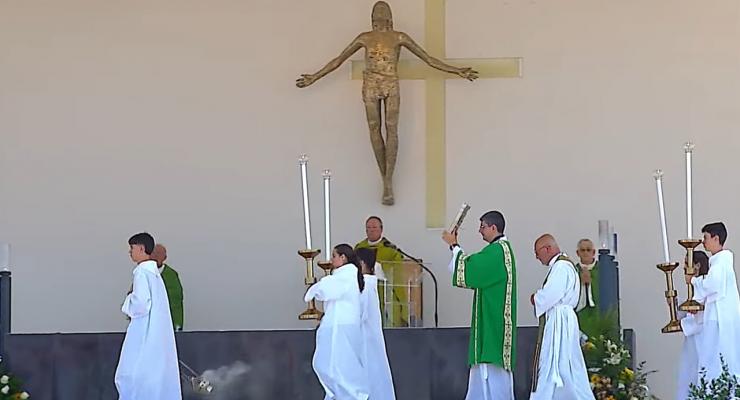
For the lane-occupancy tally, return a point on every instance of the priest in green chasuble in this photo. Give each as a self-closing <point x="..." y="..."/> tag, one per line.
<point x="588" y="303"/>
<point x="491" y="274"/>
<point x="172" y="284"/>
<point x="391" y="270"/>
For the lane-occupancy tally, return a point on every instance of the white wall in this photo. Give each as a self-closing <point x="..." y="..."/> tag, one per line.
<point x="181" y="118"/>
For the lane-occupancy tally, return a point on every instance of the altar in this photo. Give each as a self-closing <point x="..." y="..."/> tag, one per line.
<point x="427" y="363"/>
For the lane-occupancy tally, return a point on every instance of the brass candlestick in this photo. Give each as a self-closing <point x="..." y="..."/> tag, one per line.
<point x="326" y="266"/>
<point x="690" y="305"/>
<point x="311" y="312"/>
<point x="674" y="325"/>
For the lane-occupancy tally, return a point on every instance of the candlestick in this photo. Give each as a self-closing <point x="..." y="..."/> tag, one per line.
<point x="690" y="304"/>
<point x="673" y="325"/>
<point x="311" y="311"/>
<point x="658" y="175"/>
<point x="327" y="213"/>
<point x="303" y="162"/>
<point x="688" y="149"/>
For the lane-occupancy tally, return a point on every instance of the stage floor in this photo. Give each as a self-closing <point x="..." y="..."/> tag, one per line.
<point x="426" y="363"/>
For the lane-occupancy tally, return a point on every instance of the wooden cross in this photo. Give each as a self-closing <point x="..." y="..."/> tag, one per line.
<point x="434" y="44"/>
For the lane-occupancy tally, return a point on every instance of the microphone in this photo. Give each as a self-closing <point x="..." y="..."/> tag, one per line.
<point x="389" y="244"/>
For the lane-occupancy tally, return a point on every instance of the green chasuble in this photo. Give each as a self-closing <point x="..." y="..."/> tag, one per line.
<point x="588" y="315"/>
<point x="174" y="294"/>
<point x="389" y="260"/>
<point x="491" y="273"/>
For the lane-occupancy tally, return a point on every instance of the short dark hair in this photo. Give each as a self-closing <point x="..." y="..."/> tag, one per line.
<point x="701" y="259"/>
<point x="366" y="255"/>
<point x="494" y="218"/>
<point x="716" y="229"/>
<point x="375" y="218"/>
<point x="143" y="239"/>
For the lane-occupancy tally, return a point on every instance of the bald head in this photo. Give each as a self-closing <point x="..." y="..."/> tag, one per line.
<point x="159" y="254"/>
<point x="545" y="248"/>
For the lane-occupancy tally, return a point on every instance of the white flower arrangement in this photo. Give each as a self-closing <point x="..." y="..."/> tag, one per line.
<point x="10" y="386"/>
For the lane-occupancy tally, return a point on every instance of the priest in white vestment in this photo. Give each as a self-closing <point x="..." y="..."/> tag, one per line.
<point x="148" y="366"/>
<point x="374" y="356"/>
<point x="337" y="359"/>
<point x="561" y="370"/>
<point x="719" y="294"/>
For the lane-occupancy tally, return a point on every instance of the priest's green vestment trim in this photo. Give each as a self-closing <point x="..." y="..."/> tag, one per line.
<point x="491" y="273"/>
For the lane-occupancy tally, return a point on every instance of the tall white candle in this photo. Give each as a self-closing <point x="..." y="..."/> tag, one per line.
<point x="688" y="149"/>
<point x="303" y="162"/>
<point x="327" y="214"/>
<point x="658" y="175"/>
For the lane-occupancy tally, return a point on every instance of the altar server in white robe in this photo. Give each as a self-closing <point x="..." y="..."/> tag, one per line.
<point x="718" y="292"/>
<point x="374" y="356"/>
<point x="561" y="368"/>
<point x="337" y="359"/>
<point x="148" y="366"/>
<point x="691" y="325"/>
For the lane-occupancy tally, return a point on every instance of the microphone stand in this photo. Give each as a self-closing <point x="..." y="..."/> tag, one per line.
<point x="387" y="243"/>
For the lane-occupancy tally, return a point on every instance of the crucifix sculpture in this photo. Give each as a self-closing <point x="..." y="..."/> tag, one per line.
<point x="380" y="86"/>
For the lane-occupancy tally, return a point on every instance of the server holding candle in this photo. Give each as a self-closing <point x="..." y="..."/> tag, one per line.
<point x="718" y="292"/>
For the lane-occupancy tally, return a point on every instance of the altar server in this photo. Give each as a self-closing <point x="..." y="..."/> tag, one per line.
<point x="337" y="359"/>
<point x="148" y="366"/>
<point x="374" y="355"/>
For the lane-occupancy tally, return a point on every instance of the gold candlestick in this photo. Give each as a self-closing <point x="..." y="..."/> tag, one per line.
<point x="690" y="305"/>
<point x="326" y="266"/>
<point x="674" y="325"/>
<point x="311" y="312"/>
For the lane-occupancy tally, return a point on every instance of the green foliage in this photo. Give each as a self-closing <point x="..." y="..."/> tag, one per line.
<point x="724" y="387"/>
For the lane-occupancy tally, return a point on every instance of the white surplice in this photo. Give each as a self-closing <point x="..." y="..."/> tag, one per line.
<point x="562" y="370"/>
<point x="148" y="366"/>
<point x="337" y="359"/>
<point x="721" y="320"/>
<point x="688" y="373"/>
<point x="374" y="357"/>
